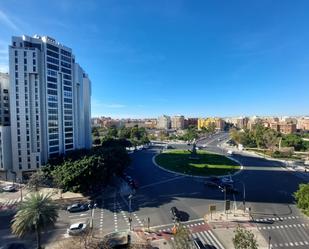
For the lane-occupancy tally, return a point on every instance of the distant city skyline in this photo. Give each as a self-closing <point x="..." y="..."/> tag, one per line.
<point x="198" y="59"/>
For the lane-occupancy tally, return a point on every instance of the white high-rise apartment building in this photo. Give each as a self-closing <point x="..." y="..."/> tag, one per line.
<point x="50" y="102"/>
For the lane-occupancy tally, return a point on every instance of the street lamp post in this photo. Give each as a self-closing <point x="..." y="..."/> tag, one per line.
<point x="130" y="210"/>
<point x="21" y="188"/>
<point x="269" y="245"/>
<point x="92" y="214"/>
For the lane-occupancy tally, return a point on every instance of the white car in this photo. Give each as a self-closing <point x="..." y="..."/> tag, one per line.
<point x="9" y="188"/>
<point x="77" y="228"/>
<point x="226" y="180"/>
<point x="230" y="152"/>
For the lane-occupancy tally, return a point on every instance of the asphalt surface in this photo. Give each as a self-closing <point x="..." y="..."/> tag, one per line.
<point x="269" y="189"/>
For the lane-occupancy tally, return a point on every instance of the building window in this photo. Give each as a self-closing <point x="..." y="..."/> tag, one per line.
<point x="16" y="53"/>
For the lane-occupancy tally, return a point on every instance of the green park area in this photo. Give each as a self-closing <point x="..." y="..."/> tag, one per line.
<point x="204" y="164"/>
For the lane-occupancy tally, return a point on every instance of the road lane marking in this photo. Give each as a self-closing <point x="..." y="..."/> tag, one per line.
<point x="160" y="182"/>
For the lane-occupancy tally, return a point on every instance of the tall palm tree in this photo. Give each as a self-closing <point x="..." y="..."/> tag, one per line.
<point x="36" y="213"/>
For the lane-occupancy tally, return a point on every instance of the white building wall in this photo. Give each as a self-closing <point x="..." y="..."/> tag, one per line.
<point x="5" y="152"/>
<point x="44" y="102"/>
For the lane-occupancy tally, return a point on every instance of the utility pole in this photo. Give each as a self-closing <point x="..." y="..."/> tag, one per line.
<point x="269" y="239"/>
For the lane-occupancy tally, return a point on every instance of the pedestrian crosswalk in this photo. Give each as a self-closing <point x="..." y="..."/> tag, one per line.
<point x="283" y="226"/>
<point x="286" y="231"/>
<point x="291" y="244"/>
<point x="191" y="225"/>
<point x="9" y="203"/>
<point x="208" y="239"/>
<point x="198" y="229"/>
<point x="277" y="218"/>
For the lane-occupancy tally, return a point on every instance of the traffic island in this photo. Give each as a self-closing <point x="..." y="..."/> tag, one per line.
<point x="223" y="224"/>
<point x="205" y="163"/>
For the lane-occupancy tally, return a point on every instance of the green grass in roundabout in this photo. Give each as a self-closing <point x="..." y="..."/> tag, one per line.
<point x="207" y="164"/>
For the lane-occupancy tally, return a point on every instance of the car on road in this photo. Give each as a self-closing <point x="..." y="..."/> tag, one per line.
<point x="227" y="180"/>
<point x="175" y="213"/>
<point x="198" y="244"/>
<point x="77" y="229"/>
<point x="230" y="152"/>
<point x="9" y="188"/>
<point x="78" y="207"/>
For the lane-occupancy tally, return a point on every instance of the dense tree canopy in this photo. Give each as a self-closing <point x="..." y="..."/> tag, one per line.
<point x="244" y="239"/>
<point x="85" y="171"/>
<point x="302" y="197"/>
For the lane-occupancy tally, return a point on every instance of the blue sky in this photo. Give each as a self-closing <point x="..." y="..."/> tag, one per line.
<point x="197" y="58"/>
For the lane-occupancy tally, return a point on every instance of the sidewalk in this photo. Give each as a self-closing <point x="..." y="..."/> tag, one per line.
<point x="223" y="226"/>
<point x="288" y="164"/>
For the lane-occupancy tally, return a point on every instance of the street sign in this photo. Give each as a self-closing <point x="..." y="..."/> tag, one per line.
<point x="212" y="208"/>
<point x="227" y="205"/>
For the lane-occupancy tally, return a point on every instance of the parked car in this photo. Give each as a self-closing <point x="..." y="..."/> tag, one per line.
<point x="9" y="188"/>
<point x="78" y="207"/>
<point x="175" y="213"/>
<point x="198" y="244"/>
<point x="77" y="229"/>
<point x="230" y="152"/>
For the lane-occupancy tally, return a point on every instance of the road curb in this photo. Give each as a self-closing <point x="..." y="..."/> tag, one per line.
<point x="193" y="176"/>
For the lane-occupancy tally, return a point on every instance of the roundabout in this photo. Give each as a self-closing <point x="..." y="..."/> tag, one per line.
<point x="202" y="165"/>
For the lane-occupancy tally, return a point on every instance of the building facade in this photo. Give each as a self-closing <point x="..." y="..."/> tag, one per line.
<point x="49" y="102"/>
<point x="5" y="128"/>
<point x="217" y="123"/>
<point x="164" y="122"/>
<point x="178" y="122"/>
<point x="4" y="100"/>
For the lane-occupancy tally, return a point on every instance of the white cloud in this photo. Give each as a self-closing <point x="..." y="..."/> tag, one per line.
<point x="8" y="21"/>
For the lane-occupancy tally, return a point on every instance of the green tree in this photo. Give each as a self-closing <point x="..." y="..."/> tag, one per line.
<point x="136" y="133"/>
<point x="258" y="132"/>
<point x="95" y="132"/>
<point x="270" y="139"/>
<point x="244" y="239"/>
<point x="36" y="180"/>
<point x="124" y="132"/>
<point x="302" y="198"/>
<point x="36" y="213"/>
<point x="294" y="140"/>
<point x="182" y="238"/>
<point x="112" y="132"/>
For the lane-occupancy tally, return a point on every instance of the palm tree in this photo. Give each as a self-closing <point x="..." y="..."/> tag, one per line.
<point x="35" y="214"/>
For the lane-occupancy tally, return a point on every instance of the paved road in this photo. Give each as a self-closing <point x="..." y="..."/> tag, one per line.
<point x="268" y="191"/>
